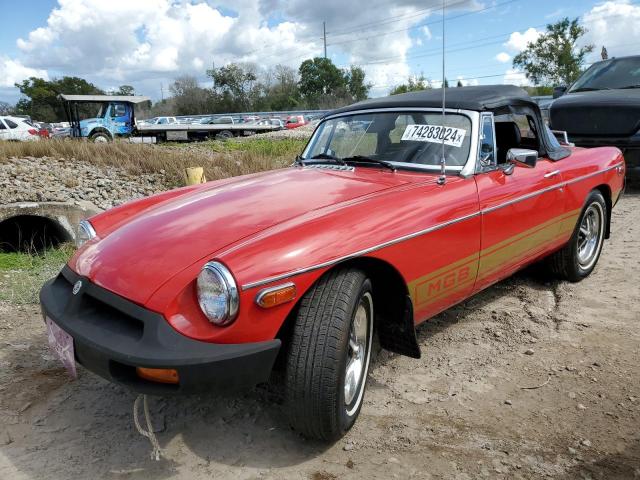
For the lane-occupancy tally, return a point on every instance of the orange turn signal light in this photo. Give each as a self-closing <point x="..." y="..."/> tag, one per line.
<point x="160" y="375"/>
<point x="272" y="297"/>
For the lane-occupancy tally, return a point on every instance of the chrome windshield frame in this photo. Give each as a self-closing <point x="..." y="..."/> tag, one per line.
<point x="466" y="170"/>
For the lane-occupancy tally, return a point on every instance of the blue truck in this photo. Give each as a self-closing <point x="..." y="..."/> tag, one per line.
<point x="115" y="116"/>
<point x="116" y="119"/>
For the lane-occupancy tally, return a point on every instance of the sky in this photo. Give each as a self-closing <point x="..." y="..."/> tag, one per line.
<point x="148" y="43"/>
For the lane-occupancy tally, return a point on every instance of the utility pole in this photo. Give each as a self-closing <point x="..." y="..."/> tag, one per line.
<point x="324" y="37"/>
<point x="161" y="92"/>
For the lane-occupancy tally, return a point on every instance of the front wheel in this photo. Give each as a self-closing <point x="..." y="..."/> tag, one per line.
<point x="329" y="354"/>
<point x="99" y="137"/>
<point x="578" y="258"/>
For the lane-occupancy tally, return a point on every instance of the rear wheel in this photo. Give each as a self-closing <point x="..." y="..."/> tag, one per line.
<point x="329" y="355"/>
<point x="579" y="257"/>
<point x="224" y="135"/>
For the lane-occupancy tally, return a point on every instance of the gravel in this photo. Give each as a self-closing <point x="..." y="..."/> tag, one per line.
<point x="46" y="179"/>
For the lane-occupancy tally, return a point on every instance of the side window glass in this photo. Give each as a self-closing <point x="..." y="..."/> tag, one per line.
<point x="10" y="124"/>
<point x="2" y="127"/>
<point x="486" y="154"/>
<point x="118" y="110"/>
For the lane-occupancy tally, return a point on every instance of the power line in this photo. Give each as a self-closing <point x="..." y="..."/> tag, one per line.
<point x="394" y="19"/>
<point x="424" y="24"/>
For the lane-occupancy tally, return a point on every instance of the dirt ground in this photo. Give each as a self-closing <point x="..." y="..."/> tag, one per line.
<point x="525" y="380"/>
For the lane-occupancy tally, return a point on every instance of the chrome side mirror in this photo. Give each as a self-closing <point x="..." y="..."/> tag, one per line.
<point x="522" y="156"/>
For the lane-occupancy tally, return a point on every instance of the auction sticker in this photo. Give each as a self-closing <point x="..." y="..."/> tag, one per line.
<point x="435" y="134"/>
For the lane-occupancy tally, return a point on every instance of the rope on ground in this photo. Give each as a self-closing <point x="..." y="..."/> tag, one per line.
<point x="537" y="386"/>
<point x="157" y="452"/>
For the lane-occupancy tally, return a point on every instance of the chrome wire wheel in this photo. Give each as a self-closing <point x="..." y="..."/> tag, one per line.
<point x="358" y="354"/>
<point x="590" y="235"/>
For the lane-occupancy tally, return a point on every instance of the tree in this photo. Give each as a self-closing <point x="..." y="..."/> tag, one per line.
<point x="189" y="98"/>
<point x="413" y="84"/>
<point x="5" y="108"/>
<point x="280" y="89"/>
<point x="357" y="87"/>
<point x="40" y="97"/>
<point x="446" y="83"/>
<point x="234" y="86"/>
<point x="124" y="90"/>
<point x="459" y="84"/>
<point x="554" y="58"/>
<point x="321" y="82"/>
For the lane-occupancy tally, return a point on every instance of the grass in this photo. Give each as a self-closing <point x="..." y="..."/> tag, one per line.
<point x="220" y="159"/>
<point x="22" y="274"/>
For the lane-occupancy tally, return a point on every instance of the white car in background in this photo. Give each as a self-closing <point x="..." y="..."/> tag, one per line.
<point x="16" y="128"/>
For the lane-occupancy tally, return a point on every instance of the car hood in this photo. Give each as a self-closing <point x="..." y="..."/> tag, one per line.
<point x="601" y="112"/>
<point x="150" y="247"/>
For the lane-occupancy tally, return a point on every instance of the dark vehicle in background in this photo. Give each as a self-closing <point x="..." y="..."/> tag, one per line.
<point x="602" y="108"/>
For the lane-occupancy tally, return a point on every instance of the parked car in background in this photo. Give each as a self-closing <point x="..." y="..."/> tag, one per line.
<point x="218" y="120"/>
<point x="295" y="121"/>
<point x="275" y="122"/>
<point x="602" y="108"/>
<point x="160" y="121"/>
<point x="17" y="129"/>
<point x="213" y="286"/>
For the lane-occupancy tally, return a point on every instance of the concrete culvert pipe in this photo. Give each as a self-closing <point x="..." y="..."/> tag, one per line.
<point x="31" y="233"/>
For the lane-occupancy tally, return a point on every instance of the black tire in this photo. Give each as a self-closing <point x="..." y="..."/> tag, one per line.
<point x="320" y="351"/>
<point x="224" y="135"/>
<point x="100" y="137"/>
<point x="567" y="263"/>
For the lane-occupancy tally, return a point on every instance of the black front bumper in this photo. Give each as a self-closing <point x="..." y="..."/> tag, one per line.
<point x="112" y="336"/>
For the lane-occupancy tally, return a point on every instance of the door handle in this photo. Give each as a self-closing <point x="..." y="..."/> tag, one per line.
<point x="552" y="174"/>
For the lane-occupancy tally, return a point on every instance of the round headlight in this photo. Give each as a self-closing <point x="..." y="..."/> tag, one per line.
<point x="217" y="294"/>
<point x="85" y="233"/>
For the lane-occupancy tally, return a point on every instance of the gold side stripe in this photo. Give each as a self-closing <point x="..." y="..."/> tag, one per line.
<point x="491" y="259"/>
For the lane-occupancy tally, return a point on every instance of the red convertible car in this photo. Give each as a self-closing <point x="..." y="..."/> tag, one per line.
<point x="214" y="286"/>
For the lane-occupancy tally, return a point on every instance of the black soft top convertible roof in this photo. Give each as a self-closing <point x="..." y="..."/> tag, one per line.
<point x="499" y="99"/>
<point x="479" y="98"/>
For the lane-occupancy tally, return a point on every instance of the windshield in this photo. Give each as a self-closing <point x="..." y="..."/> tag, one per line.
<point x="411" y="139"/>
<point x="615" y="73"/>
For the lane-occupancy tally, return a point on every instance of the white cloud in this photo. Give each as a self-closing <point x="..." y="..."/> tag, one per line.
<point x="518" y="41"/>
<point x="514" y="77"/>
<point x="503" y="57"/>
<point x="145" y="43"/>
<point x="613" y="24"/>
<point x="12" y="71"/>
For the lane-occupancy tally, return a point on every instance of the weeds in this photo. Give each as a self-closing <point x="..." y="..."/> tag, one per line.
<point x="219" y="159"/>
<point x="23" y="273"/>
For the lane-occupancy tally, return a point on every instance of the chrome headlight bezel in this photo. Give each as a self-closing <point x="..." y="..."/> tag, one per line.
<point x="217" y="272"/>
<point x="85" y="233"/>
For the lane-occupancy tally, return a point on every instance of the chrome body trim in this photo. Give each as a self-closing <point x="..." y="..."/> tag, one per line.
<point x="433" y="228"/>
<point x="359" y="253"/>
<point x="266" y="291"/>
<point x="552" y="174"/>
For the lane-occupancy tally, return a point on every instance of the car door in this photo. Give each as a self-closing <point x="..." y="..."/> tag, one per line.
<point x="521" y="211"/>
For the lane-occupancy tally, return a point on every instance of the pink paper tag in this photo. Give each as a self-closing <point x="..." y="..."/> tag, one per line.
<point x="62" y="344"/>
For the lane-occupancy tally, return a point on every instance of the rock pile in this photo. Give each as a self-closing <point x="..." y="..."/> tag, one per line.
<point x="45" y="179"/>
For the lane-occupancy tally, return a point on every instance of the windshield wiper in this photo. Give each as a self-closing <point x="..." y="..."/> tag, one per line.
<point x="322" y="157"/>
<point x="363" y="159"/>
<point x="630" y="86"/>
<point x="588" y="89"/>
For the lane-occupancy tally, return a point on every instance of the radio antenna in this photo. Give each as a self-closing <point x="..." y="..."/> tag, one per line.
<point x="443" y="167"/>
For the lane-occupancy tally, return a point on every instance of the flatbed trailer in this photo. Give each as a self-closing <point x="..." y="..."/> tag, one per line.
<point x="195" y="131"/>
<point x="116" y="119"/>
